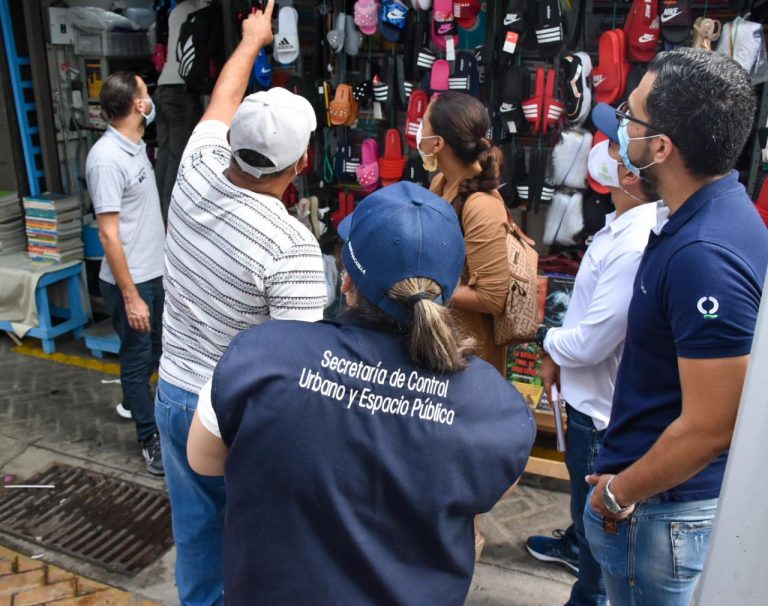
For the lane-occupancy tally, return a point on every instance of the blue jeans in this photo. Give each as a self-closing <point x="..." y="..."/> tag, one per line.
<point x="139" y="351"/>
<point x="584" y="443"/>
<point x="655" y="557"/>
<point x="197" y="503"/>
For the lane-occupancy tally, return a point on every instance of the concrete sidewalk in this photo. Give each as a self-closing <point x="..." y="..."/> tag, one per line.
<point x="58" y="409"/>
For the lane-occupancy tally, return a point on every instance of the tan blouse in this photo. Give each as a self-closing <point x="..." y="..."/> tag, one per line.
<point x="486" y="267"/>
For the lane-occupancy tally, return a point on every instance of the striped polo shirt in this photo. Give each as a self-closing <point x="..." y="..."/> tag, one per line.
<point x="233" y="259"/>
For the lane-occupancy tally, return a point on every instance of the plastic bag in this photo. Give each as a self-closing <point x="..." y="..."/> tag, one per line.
<point x="92" y="19"/>
<point x="743" y="41"/>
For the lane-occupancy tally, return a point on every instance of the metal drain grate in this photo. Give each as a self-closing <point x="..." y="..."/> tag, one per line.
<point x="118" y="525"/>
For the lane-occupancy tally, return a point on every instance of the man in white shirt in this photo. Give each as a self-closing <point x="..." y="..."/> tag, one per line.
<point x="234" y="258"/>
<point x="582" y="357"/>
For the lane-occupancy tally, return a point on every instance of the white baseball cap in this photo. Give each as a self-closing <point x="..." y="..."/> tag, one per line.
<point x="275" y="124"/>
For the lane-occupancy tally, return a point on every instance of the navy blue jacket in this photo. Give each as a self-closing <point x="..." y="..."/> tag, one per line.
<point x="352" y="476"/>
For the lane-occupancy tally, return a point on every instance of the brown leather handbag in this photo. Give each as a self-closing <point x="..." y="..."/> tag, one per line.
<point x="519" y="320"/>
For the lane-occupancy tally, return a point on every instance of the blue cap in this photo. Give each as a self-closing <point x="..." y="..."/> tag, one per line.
<point x="604" y="118"/>
<point x="398" y="232"/>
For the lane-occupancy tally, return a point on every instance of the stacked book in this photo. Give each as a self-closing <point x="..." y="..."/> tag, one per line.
<point x="54" y="228"/>
<point x="11" y="223"/>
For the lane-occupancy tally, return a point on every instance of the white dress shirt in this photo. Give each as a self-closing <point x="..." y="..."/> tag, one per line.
<point x="588" y="346"/>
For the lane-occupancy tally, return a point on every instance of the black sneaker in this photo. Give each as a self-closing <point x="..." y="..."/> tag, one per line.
<point x="558" y="549"/>
<point x="153" y="457"/>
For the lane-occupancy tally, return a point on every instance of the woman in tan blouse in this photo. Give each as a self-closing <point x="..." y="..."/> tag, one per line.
<point x="453" y="138"/>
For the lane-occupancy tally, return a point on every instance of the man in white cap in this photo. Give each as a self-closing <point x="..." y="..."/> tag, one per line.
<point x="234" y="258"/>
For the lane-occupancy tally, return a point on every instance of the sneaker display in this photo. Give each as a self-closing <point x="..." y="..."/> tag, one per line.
<point x="557" y="548"/>
<point x="123" y="411"/>
<point x="153" y="458"/>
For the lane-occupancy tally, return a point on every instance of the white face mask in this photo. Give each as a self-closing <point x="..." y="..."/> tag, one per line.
<point x="428" y="160"/>
<point x="150" y="117"/>
<point x="603" y="168"/>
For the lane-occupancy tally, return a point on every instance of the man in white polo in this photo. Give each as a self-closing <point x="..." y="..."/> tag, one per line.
<point x="234" y="258"/>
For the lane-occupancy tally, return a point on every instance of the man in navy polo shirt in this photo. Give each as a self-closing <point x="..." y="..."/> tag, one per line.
<point x="690" y="327"/>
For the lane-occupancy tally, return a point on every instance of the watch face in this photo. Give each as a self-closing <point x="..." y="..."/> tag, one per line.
<point x="609" y="502"/>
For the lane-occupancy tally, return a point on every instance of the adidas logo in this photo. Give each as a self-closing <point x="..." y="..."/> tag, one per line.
<point x="511" y="18"/>
<point x="598" y="79"/>
<point x="647" y="38"/>
<point x="284" y="44"/>
<point x="670" y="13"/>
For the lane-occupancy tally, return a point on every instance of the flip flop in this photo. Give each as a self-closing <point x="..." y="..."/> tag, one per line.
<point x="465" y="12"/>
<point x="415" y="173"/>
<point x="368" y="171"/>
<point x="465" y="76"/>
<point x="341" y="106"/>
<point x="443" y="24"/>
<point x="336" y="36"/>
<point x="553" y="108"/>
<point x="534" y="106"/>
<point x="610" y="77"/>
<point x="367" y="16"/>
<point x="641" y="30"/>
<point x="363" y="90"/>
<point x="576" y="69"/>
<point x="416" y="108"/>
<point x="383" y="83"/>
<point x="514" y="18"/>
<point x="439" y="77"/>
<point x="392" y="164"/>
<point x="574" y="23"/>
<point x="549" y="28"/>
<point x="353" y="38"/>
<point x="393" y="18"/>
<point x="675" y="20"/>
<point x="515" y="90"/>
<point x="287" y="47"/>
<point x="513" y="173"/>
<point x="262" y="69"/>
<point x="570" y="158"/>
<point x="402" y="87"/>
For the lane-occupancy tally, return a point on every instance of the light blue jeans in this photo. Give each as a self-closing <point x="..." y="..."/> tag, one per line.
<point x="197" y="503"/>
<point x="655" y="557"/>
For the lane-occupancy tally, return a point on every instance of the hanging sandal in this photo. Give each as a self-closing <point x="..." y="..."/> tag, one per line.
<point x="553" y="108"/>
<point x="533" y="107"/>
<point x="416" y="108"/>
<point x="392" y="165"/>
<point x="341" y="106"/>
<point x="368" y="171"/>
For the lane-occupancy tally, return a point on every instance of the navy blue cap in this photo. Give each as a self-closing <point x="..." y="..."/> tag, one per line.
<point x="398" y="232"/>
<point x="604" y="118"/>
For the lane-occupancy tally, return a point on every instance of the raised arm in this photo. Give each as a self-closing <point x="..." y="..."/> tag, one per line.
<point x="233" y="80"/>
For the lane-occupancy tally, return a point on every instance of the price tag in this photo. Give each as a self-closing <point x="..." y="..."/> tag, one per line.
<point x="510" y="44"/>
<point x="450" y="51"/>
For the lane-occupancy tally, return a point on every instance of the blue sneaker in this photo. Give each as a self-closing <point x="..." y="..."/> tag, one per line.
<point x="558" y="549"/>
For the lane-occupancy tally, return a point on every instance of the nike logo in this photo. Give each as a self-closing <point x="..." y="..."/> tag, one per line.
<point x="598" y="79"/>
<point x="444" y="30"/>
<point x="265" y="71"/>
<point x="507" y="107"/>
<point x="647" y="38"/>
<point x="396" y="14"/>
<point x="511" y="18"/>
<point x="670" y="13"/>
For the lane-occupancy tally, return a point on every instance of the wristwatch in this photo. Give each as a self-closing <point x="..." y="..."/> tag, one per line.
<point x="609" y="500"/>
<point x="541" y="334"/>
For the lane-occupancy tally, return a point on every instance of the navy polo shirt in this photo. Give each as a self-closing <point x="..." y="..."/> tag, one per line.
<point x="353" y="476"/>
<point x="696" y="295"/>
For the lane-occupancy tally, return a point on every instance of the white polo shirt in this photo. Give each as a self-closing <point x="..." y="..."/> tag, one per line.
<point x="233" y="259"/>
<point x="589" y="344"/>
<point x="121" y="179"/>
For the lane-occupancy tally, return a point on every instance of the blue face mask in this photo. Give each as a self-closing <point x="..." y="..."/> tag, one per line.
<point x="624" y="140"/>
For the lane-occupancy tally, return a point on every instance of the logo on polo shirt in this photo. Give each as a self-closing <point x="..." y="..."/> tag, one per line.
<point x="708" y="307"/>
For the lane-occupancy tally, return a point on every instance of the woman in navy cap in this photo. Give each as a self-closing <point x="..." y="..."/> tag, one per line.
<point x="357" y="452"/>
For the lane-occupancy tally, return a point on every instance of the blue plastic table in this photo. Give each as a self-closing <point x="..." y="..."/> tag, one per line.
<point x="74" y="316"/>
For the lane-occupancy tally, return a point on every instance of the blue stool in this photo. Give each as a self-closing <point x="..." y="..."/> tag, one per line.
<point x="74" y="317"/>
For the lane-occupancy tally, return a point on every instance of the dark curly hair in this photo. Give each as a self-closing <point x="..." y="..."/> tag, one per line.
<point x="463" y="122"/>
